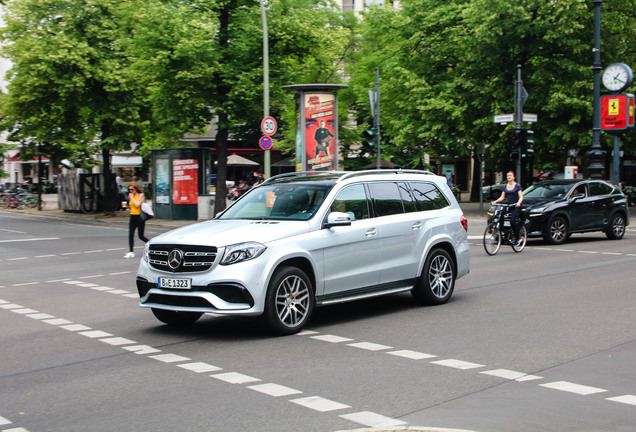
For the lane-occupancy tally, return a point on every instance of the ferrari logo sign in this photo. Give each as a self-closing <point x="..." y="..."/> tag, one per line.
<point x="617" y="113"/>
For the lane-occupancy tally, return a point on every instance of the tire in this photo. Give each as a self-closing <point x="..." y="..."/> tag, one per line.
<point x="492" y="239"/>
<point x="289" y="302"/>
<point x="518" y="247"/>
<point x="89" y="205"/>
<point x="437" y="281"/>
<point x="616" y="228"/>
<point x="176" y="319"/>
<point x="557" y="232"/>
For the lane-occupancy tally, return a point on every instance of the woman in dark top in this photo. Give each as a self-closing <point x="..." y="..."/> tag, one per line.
<point x="513" y="193"/>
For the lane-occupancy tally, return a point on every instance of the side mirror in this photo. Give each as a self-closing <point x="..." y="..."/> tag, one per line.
<point x="337" y="219"/>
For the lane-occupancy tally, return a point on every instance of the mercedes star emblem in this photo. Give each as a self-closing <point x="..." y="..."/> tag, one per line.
<point x="174" y="259"/>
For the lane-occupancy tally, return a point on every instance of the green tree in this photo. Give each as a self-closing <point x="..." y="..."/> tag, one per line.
<point x="70" y="84"/>
<point x="450" y="65"/>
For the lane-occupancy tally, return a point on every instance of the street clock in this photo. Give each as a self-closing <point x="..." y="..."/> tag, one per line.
<point x="617" y="77"/>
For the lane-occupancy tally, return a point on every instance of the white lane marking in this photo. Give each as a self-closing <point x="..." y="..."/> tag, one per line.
<point x="24" y="311"/>
<point x="75" y="327"/>
<point x="101" y="288"/>
<point x="457" y="364"/>
<point x="306" y="333"/>
<point x="118" y="341"/>
<point x="57" y="321"/>
<point x="24" y="284"/>
<point x="29" y="240"/>
<point x="529" y="378"/>
<point x="414" y="355"/>
<point x="40" y="316"/>
<point x="505" y="373"/>
<point x="318" y="403"/>
<point x="45" y="256"/>
<point x="17" y="259"/>
<point x="70" y="253"/>
<point x="118" y="291"/>
<point x="235" y="378"/>
<point x="369" y="418"/>
<point x="142" y="349"/>
<point x="94" y="251"/>
<point x="4" y="421"/>
<point x="18" y="429"/>
<point x="10" y="306"/>
<point x="331" y="338"/>
<point x="572" y="388"/>
<point x="274" y="390"/>
<point x="370" y="346"/>
<point x="199" y="367"/>
<point x="91" y="276"/>
<point x="94" y="334"/>
<point x="169" y="358"/>
<point x="12" y="231"/>
<point x="626" y="399"/>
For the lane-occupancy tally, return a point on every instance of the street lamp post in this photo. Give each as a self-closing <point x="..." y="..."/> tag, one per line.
<point x="595" y="153"/>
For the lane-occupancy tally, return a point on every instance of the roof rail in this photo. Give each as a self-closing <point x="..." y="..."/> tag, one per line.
<point x="301" y="173"/>
<point x="384" y="171"/>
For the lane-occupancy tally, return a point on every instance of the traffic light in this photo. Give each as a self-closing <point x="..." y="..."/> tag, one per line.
<point x="370" y="137"/>
<point x="518" y="138"/>
<point x="527" y="143"/>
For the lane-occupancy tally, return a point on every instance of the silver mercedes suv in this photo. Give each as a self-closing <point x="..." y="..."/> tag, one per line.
<point x="309" y="239"/>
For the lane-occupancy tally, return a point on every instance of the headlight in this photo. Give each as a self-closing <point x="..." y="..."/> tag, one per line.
<point x="242" y="252"/>
<point x="146" y="251"/>
<point x="539" y="209"/>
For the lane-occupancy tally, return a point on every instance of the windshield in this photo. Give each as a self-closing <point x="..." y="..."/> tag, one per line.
<point x="548" y="192"/>
<point x="291" y="201"/>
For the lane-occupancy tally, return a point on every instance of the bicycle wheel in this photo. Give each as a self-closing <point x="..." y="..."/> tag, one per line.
<point x="518" y="247"/>
<point x="89" y="205"/>
<point x="492" y="239"/>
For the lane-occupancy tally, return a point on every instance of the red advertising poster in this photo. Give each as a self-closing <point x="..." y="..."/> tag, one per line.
<point x="185" y="181"/>
<point x="320" y="134"/>
<point x="614" y="110"/>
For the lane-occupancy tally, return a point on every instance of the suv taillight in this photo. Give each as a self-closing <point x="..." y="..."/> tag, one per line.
<point x="465" y="223"/>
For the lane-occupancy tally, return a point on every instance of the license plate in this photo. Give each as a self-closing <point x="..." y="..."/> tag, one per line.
<point x="506" y="223"/>
<point x="175" y="283"/>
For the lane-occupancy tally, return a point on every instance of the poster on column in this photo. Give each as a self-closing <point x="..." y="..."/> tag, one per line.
<point x="185" y="181"/>
<point x="320" y="134"/>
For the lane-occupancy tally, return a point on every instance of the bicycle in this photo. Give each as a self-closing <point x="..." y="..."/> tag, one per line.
<point x="499" y="230"/>
<point x="94" y="201"/>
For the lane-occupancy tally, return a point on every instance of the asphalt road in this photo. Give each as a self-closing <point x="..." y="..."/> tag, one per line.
<point x="544" y="340"/>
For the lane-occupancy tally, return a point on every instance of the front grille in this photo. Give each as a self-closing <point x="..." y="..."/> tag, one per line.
<point x="181" y="258"/>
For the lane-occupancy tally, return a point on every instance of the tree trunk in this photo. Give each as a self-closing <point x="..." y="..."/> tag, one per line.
<point x="221" y="169"/>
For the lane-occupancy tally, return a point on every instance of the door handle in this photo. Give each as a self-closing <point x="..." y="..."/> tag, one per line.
<point x="371" y="232"/>
<point x="417" y="226"/>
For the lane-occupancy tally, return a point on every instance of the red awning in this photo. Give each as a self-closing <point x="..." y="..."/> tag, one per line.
<point x="16" y="159"/>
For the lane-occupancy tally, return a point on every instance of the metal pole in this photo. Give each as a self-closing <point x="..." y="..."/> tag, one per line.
<point x="267" y="156"/>
<point x="595" y="153"/>
<point x="519" y="116"/>
<point x="378" y="162"/>
<point x="617" y="161"/>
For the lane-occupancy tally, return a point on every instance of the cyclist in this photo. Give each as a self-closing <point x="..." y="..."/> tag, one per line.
<point x="513" y="193"/>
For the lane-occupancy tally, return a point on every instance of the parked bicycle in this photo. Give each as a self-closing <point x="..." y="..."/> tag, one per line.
<point x="19" y="199"/>
<point x="499" y="230"/>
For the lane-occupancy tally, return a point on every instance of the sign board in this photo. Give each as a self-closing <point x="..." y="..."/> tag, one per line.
<point x="530" y="118"/>
<point x="615" y="113"/>
<point x="504" y="118"/>
<point x="269" y="126"/>
<point x="265" y="143"/>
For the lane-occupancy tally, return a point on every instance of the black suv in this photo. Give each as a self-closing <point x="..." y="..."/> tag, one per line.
<point x="558" y="208"/>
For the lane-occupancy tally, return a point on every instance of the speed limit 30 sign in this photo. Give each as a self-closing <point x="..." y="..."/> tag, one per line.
<point x="269" y="126"/>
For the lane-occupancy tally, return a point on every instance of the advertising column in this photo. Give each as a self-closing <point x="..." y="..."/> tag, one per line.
<point x="316" y="126"/>
<point x="185" y="181"/>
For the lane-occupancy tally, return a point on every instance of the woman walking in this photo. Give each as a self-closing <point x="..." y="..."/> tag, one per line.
<point x="135" y="200"/>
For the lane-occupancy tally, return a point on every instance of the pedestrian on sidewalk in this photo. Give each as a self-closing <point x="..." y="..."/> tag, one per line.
<point x="135" y="200"/>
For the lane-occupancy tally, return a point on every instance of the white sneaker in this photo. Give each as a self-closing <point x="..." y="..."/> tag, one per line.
<point x="129" y="255"/>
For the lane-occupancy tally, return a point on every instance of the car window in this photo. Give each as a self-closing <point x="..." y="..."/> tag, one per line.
<point x="549" y="191"/>
<point x="289" y="201"/>
<point x="579" y="189"/>
<point x="407" y="198"/>
<point x="599" y="188"/>
<point x="352" y="200"/>
<point x="386" y="198"/>
<point x="428" y="197"/>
